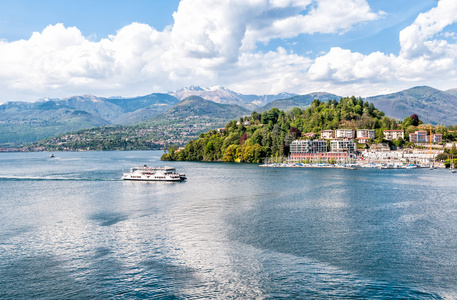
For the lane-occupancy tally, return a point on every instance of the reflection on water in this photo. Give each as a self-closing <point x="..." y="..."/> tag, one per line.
<point x="230" y="231"/>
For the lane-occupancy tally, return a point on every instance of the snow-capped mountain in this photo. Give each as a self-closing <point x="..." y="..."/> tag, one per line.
<point x="223" y="95"/>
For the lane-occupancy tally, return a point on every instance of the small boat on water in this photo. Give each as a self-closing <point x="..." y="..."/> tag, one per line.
<point x="146" y="173"/>
<point x="52" y="155"/>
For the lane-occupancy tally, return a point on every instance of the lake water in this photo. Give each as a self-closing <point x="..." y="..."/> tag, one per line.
<point x="71" y="229"/>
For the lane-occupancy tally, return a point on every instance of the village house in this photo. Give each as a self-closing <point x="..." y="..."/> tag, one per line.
<point x="366" y="133"/>
<point x="362" y="140"/>
<point x="345" y="133"/>
<point x="437" y="138"/>
<point x="422" y="137"/>
<point x="391" y="135"/>
<point x="327" y="134"/>
<point x="309" y="135"/>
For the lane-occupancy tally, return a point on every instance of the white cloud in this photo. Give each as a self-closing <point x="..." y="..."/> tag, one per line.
<point x="423" y="59"/>
<point x="414" y="39"/>
<point x="323" y="16"/>
<point x="214" y="43"/>
<point x="272" y="72"/>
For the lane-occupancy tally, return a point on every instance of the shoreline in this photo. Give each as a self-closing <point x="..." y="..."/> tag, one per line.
<point x="350" y="166"/>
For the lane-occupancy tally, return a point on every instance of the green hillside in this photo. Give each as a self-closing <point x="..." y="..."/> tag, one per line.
<point x="270" y="133"/>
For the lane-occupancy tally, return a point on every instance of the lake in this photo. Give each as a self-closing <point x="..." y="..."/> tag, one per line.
<point x="71" y="229"/>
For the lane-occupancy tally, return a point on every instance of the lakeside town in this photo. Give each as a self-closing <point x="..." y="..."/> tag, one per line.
<point x="348" y="148"/>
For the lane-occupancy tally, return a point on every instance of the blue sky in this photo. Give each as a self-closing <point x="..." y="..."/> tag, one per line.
<point x="128" y="48"/>
<point x="19" y="18"/>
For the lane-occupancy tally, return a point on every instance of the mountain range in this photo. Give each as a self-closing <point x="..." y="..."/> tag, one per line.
<point x="431" y="105"/>
<point x="225" y="96"/>
<point x="22" y="122"/>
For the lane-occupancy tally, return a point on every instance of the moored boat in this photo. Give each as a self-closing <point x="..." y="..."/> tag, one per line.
<point x="146" y="173"/>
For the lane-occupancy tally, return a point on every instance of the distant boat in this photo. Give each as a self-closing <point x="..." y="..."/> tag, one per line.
<point x="52" y="155"/>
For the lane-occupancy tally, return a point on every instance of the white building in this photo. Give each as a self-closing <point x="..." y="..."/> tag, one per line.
<point x="342" y="146"/>
<point x="345" y="133"/>
<point x="366" y="133"/>
<point x="405" y="156"/>
<point x="327" y="134"/>
<point x="391" y="135"/>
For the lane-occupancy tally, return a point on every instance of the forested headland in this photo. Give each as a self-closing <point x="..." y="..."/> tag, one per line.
<point x="270" y="133"/>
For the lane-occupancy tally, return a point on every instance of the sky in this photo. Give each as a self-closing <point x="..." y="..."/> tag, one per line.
<point x="58" y="49"/>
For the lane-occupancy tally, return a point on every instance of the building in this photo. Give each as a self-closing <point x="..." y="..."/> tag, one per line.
<point x="314" y="150"/>
<point x="362" y="140"/>
<point x="437" y="138"/>
<point x="380" y="147"/>
<point x="345" y="133"/>
<point x="308" y="146"/>
<point x="422" y="137"/>
<point x="391" y="135"/>
<point x="327" y="134"/>
<point x="406" y="156"/>
<point x="309" y="135"/>
<point x="245" y="123"/>
<point x="322" y="157"/>
<point x="366" y="133"/>
<point x="419" y="137"/>
<point x="342" y="146"/>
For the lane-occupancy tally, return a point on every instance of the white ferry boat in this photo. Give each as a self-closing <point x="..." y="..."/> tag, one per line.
<point x="146" y="173"/>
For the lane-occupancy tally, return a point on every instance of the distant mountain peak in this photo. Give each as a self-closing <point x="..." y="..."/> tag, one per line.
<point x="46" y="99"/>
<point x="221" y="88"/>
<point x="196" y="88"/>
<point x="192" y="88"/>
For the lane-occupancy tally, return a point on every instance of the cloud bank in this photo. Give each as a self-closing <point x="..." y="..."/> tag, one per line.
<point x="216" y="43"/>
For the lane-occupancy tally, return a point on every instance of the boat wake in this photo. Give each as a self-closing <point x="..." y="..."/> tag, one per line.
<point x="51" y="178"/>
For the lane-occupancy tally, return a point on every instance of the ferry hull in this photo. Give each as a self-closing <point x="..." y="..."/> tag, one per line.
<point x="154" y="179"/>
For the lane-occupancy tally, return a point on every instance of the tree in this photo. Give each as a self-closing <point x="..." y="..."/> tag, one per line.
<point x="230" y="154"/>
<point x="441" y="129"/>
<point x="415" y="119"/>
<point x="243" y="138"/>
<point x="453" y="150"/>
<point x="294" y="132"/>
<point x="407" y="122"/>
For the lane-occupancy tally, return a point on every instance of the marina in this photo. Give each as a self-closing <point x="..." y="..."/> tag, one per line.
<point x="345" y="166"/>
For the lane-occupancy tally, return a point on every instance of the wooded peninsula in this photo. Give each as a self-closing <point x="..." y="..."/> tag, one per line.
<point x="269" y="134"/>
